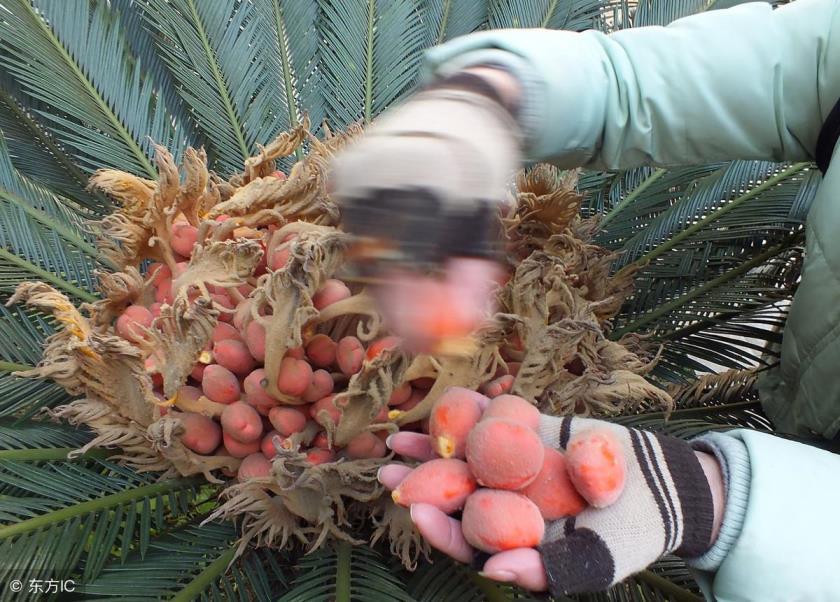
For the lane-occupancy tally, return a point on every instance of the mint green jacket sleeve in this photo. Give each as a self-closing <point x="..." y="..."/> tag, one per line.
<point x="786" y="545"/>
<point x="743" y="83"/>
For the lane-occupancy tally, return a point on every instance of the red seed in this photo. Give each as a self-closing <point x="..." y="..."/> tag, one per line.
<point x="321" y="351"/>
<point x="452" y="418"/>
<point x="350" y="354"/>
<point x="321" y="440"/>
<point x="163" y="291"/>
<point x="443" y="483"/>
<point x="297" y="353"/>
<point x="380" y="345"/>
<point x="158" y="272"/>
<point x="324" y="411"/>
<point x="183" y="238"/>
<point x="279" y="257"/>
<point x="286" y="420"/>
<point x="504" y="454"/>
<point x="254" y="466"/>
<point x="238" y="449"/>
<point x="366" y="445"/>
<point x="552" y="491"/>
<point x="294" y="376"/>
<point x="400" y="395"/>
<point x="223" y="332"/>
<point x="255" y="340"/>
<point x="498" y="386"/>
<point x="321" y="385"/>
<point x="242" y="422"/>
<point x="201" y="434"/>
<point x="133" y="322"/>
<point x="596" y="466"/>
<point x="267" y="444"/>
<point x="515" y="408"/>
<point x="220" y="384"/>
<point x="319" y="456"/>
<point x="198" y="372"/>
<point x="254" y="390"/>
<point x="331" y="292"/>
<point x="494" y="521"/>
<point x="234" y="356"/>
<point x="223" y="303"/>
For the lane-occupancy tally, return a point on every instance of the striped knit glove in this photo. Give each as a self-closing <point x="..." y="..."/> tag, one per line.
<point x="666" y="507"/>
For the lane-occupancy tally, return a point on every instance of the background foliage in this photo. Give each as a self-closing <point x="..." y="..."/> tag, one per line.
<point x="86" y="84"/>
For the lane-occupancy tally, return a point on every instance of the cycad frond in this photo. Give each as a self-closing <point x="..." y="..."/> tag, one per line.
<point x="72" y="57"/>
<point x="292" y="48"/>
<point x="370" y="56"/>
<point x="36" y="435"/>
<point x="37" y="155"/>
<point x="188" y="563"/>
<point x="40" y="237"/>
<point x="143" y="48"/>
<point x="572" y="15"/>
<point x="444" y="580"/>
<point x="24" y="333"/>
<point x="447" y="19"/>
<point x="662" y="12"/>
<point x="344" y="572"/>
<point x="87" y="509"/>
<point x="216" y="53"/>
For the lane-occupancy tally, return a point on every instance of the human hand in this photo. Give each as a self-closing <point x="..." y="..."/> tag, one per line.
<point x="672" y="502"/>
<point x="420" y="192"/>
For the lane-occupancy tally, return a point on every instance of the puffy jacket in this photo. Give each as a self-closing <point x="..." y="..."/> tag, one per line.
<point x="744" y="83"/>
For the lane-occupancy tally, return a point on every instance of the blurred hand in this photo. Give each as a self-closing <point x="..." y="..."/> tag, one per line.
<point x="421" y="192"/>
<point x="672" y="502"/>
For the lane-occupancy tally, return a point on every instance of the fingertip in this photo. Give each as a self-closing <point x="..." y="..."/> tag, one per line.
<point x="391" y="475"/>
<point x="525" y="564"/>
<point x="505" y="576"/>
<point x="441" y="531"/>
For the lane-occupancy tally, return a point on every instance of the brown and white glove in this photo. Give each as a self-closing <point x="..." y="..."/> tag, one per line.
<point x="426" y="178"/>
<point x="666" y="507"/>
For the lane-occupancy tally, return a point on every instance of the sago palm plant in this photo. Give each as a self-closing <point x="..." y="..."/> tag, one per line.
<point x="90" y="84"/>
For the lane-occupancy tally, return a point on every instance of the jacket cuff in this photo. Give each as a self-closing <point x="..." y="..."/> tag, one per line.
<point x="734" y="461"/>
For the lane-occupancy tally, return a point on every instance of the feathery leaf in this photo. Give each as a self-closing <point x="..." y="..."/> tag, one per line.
<point x="72" y="57"/>
<point x="370" y="55"/>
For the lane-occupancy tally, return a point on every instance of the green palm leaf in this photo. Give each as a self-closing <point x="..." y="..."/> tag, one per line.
<point x="292" y="49"/>
<point x="216" y="52"/>
<point x="24" y="333"/>
<point x="36" y="154"/>
<point x="662" y="12"/>
<point x="40" y="237"/>
<point x="572" y="15"/>
<point x="86" y="509"/>
<point x="449" y="19"/>
<point x="370" y="55"/>
<point x="72" y="57"/>
<point x="444" y="580"/>
<point x="187" y="563"/>
<point x="37" y="436"/>
<point x="341" y="573"/>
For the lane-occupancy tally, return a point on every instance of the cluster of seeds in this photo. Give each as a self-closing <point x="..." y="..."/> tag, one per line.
<point x="494" y="466"/>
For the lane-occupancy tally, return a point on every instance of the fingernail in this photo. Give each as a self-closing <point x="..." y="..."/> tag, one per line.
<point x="506" y="576"/>
<point x="388" y="441"/>
<point x="411" y="512"/>
<point x="378" y="473"/>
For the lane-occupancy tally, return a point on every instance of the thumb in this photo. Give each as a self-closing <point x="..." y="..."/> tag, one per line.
<point x="578" y="562"/>
<point x="523" y="566"/>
